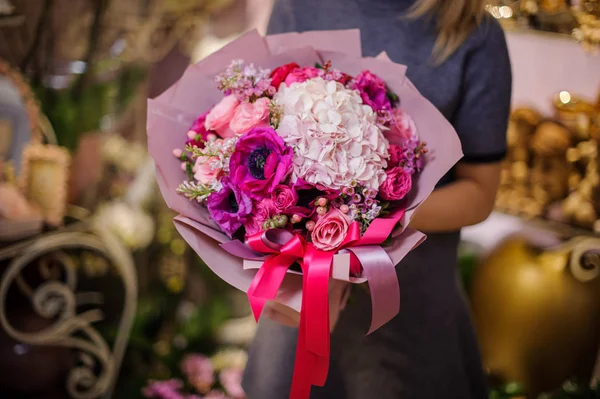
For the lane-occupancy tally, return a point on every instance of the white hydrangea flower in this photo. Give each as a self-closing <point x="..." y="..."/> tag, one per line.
<point x="335" y="136"/>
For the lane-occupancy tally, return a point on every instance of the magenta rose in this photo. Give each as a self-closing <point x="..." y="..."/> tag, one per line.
<point x="396" y="185"/>
<point x="330" y="231"/>
<point x="284" y="198"/>
<point x="249" y="115"/>
<point x="229" y="207"/>
<point x="198" y="134"/>
<point x="396" y="156"/>
<point x="301" y="75"/>
<point x="372" y="90"/>
<point x="280" y="73"/>
<point x="220" y="116"/>
<point x="261" y="212"/>
<point x="260" y="161"/>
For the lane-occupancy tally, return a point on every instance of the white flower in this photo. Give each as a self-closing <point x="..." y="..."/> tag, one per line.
<point x="335" y="136"/>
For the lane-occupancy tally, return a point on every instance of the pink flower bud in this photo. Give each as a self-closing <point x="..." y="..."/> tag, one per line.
<point x="296" y="218"/>
<point x="191" y="134"/>
<point x="344" y="208"/>
<point x="310" y="225"/>
<point x="321" y="210"/>
<point x="177" y="153"/>
<point x="322" y="201"/>
<point x="211" y="137"/>
<point x="183" y="166"/>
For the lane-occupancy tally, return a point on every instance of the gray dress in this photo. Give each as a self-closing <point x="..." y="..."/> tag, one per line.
<point x="429" y="350"/>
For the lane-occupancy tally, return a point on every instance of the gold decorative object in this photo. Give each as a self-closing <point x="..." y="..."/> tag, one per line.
<point x="56" y="303"/>
<point x="588" y="32"/>
<point x="551" y="170"/>
<point x="537" y="311"/>
<point x="44" y="180"/>
<point x="36" y="119"/>
<point x="134" y="30"/>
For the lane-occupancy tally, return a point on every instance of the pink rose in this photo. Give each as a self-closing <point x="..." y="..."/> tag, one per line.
<point x="402" y="127"/>
<point x="301" y="75"/>
<point x="261" y="212"/>
<point x="220" y="116"/>
<point x="330" y="231"/>
<point x="396" y="185"/>
<point x="203" y="171"/>
<point x="249" y="115"/>
<point x="284" y="198"/>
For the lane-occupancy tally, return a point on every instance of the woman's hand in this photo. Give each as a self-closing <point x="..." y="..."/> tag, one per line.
<point x="466" y="201"/>
<point x="338" y="297"/>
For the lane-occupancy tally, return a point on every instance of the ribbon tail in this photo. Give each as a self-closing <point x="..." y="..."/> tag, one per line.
<point x="312" y="350"/>
<point x="266" y="282"/>
<point x="381" y="275"/>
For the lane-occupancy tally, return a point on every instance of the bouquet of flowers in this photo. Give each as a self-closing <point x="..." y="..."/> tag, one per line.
<point x="301" y="167"/>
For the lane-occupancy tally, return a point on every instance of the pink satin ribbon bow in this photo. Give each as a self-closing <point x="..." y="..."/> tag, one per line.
<point x="280" y="249"/>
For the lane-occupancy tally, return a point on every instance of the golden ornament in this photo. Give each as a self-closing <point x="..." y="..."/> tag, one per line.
<point x="537" y="311"/>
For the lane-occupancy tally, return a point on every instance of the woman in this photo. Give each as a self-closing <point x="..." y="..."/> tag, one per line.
<point x="457" y="57"/>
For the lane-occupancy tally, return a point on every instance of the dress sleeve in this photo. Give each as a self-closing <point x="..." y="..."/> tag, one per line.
<point x="481" y="119"/>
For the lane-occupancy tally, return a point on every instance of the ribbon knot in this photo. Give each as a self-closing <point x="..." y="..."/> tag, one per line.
<point x="282" y="249"/>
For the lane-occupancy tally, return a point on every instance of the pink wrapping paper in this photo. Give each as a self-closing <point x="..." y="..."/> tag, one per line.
<point x="171" y="114"/>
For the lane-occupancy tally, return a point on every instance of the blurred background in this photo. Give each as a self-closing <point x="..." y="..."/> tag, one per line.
<point x="100" y="297"/>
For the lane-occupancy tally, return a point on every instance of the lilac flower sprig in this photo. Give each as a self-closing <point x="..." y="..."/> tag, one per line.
<point x="246" y="82"/>
<point x="409" y="155"/>
<point x="359" y="203"/>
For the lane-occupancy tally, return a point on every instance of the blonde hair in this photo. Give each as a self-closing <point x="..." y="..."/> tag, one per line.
<point x="455" y="20"/>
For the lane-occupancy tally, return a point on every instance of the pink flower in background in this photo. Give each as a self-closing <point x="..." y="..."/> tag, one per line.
<point x="199" y="371"/>
<point x="220" y="116"/>
<point x="231" y="380"/>
<point x="284" y="197"/>
<point x="300" y="75"/>
<point x="216" y="395"/>
<point x="280" y="73"/>
<point x="372" y="90"/>
<point x="163" y="389"/>
<point x="249" y="115"/>
<point x="397" y="184"/>
<point x="330" y="231"/>
<point x="229" y="207"/>
<point x="260" y="162"/>
<point x="204" y="172"/>
<point x="402" y="127"/>
<point x="261" y="212"/>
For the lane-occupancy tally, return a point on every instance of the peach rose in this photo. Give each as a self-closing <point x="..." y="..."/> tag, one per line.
<point x="220" y="116"/>
<point x="330" y="231"/>
<point x="249" y="115"/>
<point x="203" y="171"/>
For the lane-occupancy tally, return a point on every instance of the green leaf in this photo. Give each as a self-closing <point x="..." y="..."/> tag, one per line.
<point x="317" y="65"/>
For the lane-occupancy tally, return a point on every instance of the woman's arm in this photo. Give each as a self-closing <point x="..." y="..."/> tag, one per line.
<point x="466" y="201"/>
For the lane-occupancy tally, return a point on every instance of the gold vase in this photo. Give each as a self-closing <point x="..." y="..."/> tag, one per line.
<point x="537" y="311"/>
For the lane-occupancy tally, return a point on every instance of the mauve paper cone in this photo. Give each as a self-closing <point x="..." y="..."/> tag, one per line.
<point x="172" y="113"/>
